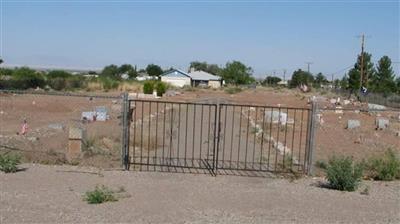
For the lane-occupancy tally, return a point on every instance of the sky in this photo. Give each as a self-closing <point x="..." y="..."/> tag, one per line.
<point x="268" y="36"/>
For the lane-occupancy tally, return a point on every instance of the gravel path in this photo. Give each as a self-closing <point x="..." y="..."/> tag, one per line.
<point x="53" y="194"/>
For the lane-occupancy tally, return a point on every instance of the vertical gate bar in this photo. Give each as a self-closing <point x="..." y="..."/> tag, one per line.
<point x="270" y="138"/>
<point x="186" y="132"/>
<point x="209" y="132"/>
<point x="216" y="137"/>
<point x="148" y="139"/>
<point x="277" y="138"/>
<point x="301" y="137"/>
<point x="247" y="137"/>
<point x="254" y="140"/>
<point x="285" y="145"/>
<point x="201" y="133"/>
<point x="141" y="136"/>
<point x="127" y="162"/>
<point x="307" y="140"/>
<point x="312" y="137"/>
<point x="293" y="131"/>
<point x="171" y="134"/>
<point x="233" y="125"/>
<point x="125" y="126"/>
<point x="134" y="135"/>
<point x="155" y="153"/>
<point x="179" y="133"/>
<point x="223" y="146"/>
<point x="194" y="130"/>
<point x="163" y="138"/>
<point x="262" y="137"/>
<point x="240" y="132"/>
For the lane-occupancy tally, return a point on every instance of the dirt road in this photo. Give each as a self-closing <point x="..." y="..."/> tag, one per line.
<point x="53" y="194"/>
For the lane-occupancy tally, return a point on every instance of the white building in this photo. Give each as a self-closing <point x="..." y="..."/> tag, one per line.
<point x="176" y="77"/>
<point x="180" y="78"/>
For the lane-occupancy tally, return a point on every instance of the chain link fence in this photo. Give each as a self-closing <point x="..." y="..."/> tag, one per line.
<point x="39" y="126"/>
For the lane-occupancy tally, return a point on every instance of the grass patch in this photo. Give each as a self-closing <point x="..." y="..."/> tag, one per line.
<point x="99" y="195"/>
<point x="343" y="174"/>
<point x="9" y="163"/>
<point x="385" y="167"/>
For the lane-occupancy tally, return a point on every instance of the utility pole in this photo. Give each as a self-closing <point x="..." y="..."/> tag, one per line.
<point x="308" y="66"/>
<point x="284" y="74"/>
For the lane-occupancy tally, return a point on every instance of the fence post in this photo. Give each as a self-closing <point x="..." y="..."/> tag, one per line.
<point x="311" y="140"/>
<point x="125" y="131"/>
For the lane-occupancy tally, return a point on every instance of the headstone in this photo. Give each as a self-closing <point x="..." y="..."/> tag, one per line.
<point x="339" y="110"/>
<point x="56" y="126"/>
<point x="382" y="123"/>
<point x="372" y="106"/>
<point x="276" y="117"/>
<point x="353" y="124"/>
<point x="75" y="143"/>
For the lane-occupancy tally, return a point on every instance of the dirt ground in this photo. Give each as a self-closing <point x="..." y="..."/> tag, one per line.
<point x="47" y="144"/>
<point x="53" y="194"/>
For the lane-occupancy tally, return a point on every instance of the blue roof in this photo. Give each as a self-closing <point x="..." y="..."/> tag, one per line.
<point x="175" y="72"/>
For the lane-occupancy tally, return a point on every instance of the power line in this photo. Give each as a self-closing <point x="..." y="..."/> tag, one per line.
<point x="308" y="66"/>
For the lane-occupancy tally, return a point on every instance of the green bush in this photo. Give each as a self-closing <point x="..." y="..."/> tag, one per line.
<point x="25" y="78"/>
<point x="385" y="167"/>
<point x="233" y="90"/>
<point x="9" y="163"/>
<point x="99" y="195"/>
<point x="57" y="83"/>
<point x="148" y="87"/>
<point x="160" y="87"/>
<point x="343" y="174"/>
<point x="109" y="83"/>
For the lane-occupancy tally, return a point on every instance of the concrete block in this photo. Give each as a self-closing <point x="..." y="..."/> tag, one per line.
<point x="382" y="123"/>
<point x="372" y="106"/>
<point x="353" y="124"/>
<point x="74" y="149"/>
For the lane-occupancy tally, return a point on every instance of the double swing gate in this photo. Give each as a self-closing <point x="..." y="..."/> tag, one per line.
<point x="216" y="138"/>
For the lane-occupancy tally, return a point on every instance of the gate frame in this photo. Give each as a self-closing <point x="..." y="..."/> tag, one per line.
<point x="126" y="118"/>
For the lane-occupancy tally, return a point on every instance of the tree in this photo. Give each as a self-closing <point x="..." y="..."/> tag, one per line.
<point x="154" y="70"/>
<point x="320" y="79"/>
<point x="271" y="80"/>
<point x="355" y="73"/>
<point x="1" y="61"/>
<point x="301" y="77"/>
<point x="383" y="80"/>
<point x="237" y="73"/>
<point x="204" y="66"/>
<point x="127" y="69"/>
<point x="58" y="74"/>
<point x="25" y="78"/>
<point x="111" y="71"/>
<point x="344" y="82"/>
<point x="398" y="85"/>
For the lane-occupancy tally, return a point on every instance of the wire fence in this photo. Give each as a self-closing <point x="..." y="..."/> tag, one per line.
<point x="356" y="131"/>
<point x="40" y="125"/>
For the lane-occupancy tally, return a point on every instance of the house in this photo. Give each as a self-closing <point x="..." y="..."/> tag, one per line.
<point x="143" y="76"/>
<point x="176" y="77"/>
<point x="180" y="78"/>
<point x="201" y="78"/>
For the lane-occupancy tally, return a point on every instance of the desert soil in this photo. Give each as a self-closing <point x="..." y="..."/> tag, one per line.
<point x="53" y="194"/>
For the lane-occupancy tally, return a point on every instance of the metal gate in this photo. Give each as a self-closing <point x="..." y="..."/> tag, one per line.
<point x="217" y="138"/>
<point x="172" y="135"/>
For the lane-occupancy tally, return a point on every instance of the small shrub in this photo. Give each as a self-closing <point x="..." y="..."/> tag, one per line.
<point x="148" y="87"/>
<point x="365" y="191"/>
<point x="321" y="164"/>
<point x="233" y="90"/>
<point x="343" y="174"/>
<point x="160" y="87"/>
<point x="109" y="83"/>
<point x="9" y="163"/>
<point x="385" y="167"/>
<point x="57" y="83"/>
<point x="188" y="88"/>
<point x="99" y="195"/>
